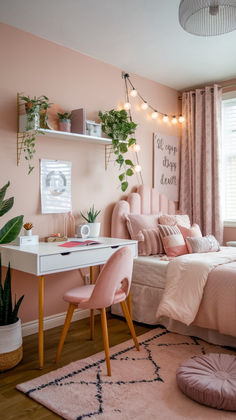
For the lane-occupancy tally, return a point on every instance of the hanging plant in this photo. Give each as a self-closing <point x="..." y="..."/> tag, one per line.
<point x="117" y="126"/>
<point x="36" y="111"/>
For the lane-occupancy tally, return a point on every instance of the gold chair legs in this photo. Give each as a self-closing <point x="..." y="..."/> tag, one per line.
<point x="104" y="331"/>
<point x="91" y="310"/>
<point x="129" y="322"/>
<point x="105" y="339"/>
<point x="65" y="330"/>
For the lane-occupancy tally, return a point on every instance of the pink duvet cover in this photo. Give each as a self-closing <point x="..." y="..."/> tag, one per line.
<point x="201" y="290"/>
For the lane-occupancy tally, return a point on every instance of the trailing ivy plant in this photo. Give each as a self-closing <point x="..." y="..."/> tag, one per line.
<point x="8" y="314"/>
<point x="36" y="110"/>
<point x="117" y="126"/>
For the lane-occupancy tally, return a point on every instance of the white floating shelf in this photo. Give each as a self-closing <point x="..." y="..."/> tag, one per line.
<point x="74" y="136"/>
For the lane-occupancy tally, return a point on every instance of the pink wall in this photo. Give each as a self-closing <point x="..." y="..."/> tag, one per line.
<point x="35" y="66"/>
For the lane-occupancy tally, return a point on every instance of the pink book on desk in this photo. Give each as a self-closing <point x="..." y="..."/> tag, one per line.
<point x="70" y="244"/>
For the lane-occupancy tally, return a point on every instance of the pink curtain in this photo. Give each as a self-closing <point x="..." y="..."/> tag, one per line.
<point x="200" y="160"/>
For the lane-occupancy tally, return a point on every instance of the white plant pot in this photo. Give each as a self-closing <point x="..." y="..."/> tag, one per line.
<point x="94" y="229"/>
<point x="28" y="232"/>
<point x="10" y="345"/>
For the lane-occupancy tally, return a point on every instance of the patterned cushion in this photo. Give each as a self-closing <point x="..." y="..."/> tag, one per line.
<point x="138" y="225"/>
<point x="173" y="240"/>
<point x="174" y="219"/>
<point x="205" y="244"/>
<point x="152" y="243"/>
<point x="137" y="222"/>
<point x="193" y="232"/>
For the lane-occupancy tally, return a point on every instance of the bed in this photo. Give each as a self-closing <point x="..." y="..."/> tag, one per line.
<point x="215" y="320"/>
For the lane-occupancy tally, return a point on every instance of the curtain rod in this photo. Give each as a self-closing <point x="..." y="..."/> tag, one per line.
<point x="223" y="87"/>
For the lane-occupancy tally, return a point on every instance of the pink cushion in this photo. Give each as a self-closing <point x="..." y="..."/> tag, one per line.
<point x="210" y="380"/>
<point x="192" y="232"/>
<point x="82" y="294"/>
<point x="173" y="240"/>
<point x="174" y="219"/>
<point x="152" y="243"/>
<point x="137" y="224"/>
<point x="205" y="244"/>
<point x="78" y="294"/>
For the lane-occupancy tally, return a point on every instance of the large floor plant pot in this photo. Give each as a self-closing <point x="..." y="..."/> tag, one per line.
<point x="11" y="351"/>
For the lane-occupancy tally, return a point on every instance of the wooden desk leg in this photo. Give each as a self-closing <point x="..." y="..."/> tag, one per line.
<point x="40" y="316"/>
<point x="129" y="305"/>
<point x="91" y="310"/>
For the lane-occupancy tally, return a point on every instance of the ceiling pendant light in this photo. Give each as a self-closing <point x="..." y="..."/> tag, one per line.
<point x="207" y="17"/>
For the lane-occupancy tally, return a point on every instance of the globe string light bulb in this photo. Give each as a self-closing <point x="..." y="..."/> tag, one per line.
<point x="181" y="119"/>
<point x="135" y="147"/>
<point x="154" y="115"/>
<point x="137" y="168"/>
<point x="133" y="93"/>
<point x="127" y="106"/>
<point x="165" y="118"/>
<point x="174" y="120"/>
<point x="144" y="106"/>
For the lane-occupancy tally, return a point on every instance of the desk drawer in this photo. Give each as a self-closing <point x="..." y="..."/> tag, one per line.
<point x="69" y="260"/>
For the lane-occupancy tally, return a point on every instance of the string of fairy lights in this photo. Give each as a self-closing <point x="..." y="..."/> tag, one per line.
<point x="145" y="106"/>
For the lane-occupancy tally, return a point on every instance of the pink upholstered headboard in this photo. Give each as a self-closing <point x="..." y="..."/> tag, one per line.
<point x="145" y="201"/>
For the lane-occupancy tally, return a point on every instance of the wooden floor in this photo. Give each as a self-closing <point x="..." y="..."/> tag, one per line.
<point x="14" y="404"/>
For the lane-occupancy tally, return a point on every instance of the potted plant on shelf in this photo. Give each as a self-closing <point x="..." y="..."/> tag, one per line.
<point x="117" y="126"/>
<point x="36" y="111"/>
<point x="65" y="121"/>
<point x="36" y="119"/>
<point x="91" y="220"/>
<point x="10" y="325"/>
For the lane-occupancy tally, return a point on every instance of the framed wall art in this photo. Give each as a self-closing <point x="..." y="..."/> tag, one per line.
<point x="166" y="165"/>
<point x="55" y="186"/>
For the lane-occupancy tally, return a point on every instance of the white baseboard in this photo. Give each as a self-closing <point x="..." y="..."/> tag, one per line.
<point x="52" y="321"/>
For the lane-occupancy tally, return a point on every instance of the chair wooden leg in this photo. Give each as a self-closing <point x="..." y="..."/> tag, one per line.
<point x="91" y="310"/>
<point x="69" y="314"/>
<point x="105" y="339"/>
<point x="130" y="323"/>
<point x="129" y="305"/>
<point x="91" y="324"/>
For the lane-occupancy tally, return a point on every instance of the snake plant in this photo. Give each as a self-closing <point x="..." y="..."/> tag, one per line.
<point x="8" y="313"/>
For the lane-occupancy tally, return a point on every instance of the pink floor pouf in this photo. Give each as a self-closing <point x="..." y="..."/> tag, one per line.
<point x="210" y="380"/>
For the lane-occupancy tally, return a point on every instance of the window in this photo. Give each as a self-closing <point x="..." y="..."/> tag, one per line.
<point x="229" y="160"/>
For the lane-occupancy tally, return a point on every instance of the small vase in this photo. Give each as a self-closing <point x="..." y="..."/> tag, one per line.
<point x="65" y="125"/>
<point x="94" y="229"/>
<point x="28" y="232"/>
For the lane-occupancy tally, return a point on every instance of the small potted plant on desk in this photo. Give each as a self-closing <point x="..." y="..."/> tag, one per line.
<point x="91" y="220"/>
<point x="65" y="121"/>
<point x="10" y="325"/>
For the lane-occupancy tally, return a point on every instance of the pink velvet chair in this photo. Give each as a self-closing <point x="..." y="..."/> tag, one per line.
<point x="112" y="286"/>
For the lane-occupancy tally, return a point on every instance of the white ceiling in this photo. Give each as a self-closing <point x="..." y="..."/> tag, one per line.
<point x="140" y="36"/>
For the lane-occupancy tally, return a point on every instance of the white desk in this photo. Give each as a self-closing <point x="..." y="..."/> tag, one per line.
<point x="48" y="258"/>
